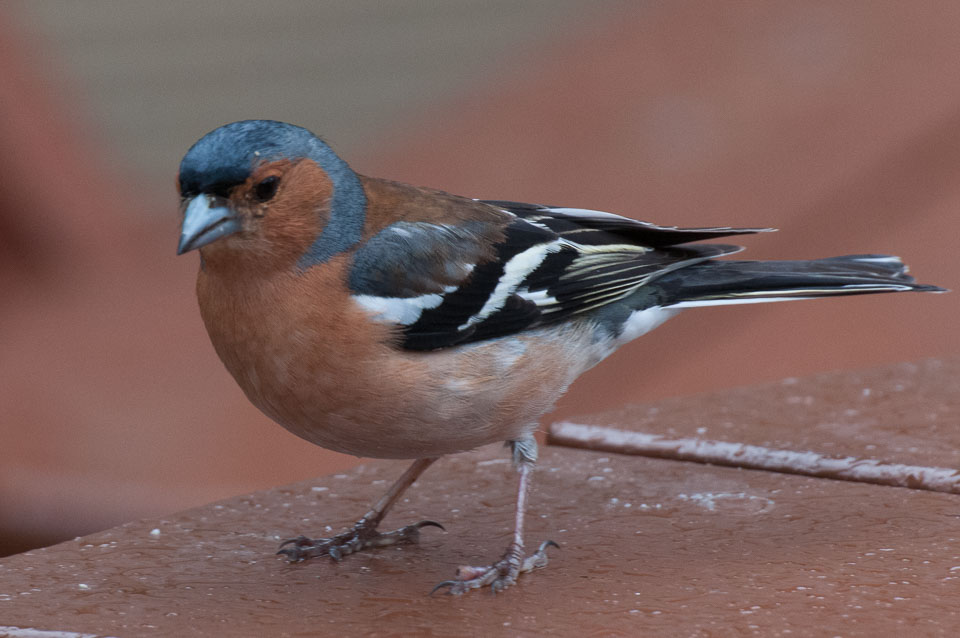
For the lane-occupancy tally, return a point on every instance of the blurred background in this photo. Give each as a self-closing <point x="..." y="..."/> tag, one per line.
<point x="838" y="123"/>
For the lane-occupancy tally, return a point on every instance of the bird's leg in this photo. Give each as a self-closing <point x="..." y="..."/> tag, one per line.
<point x="364" y="533"/>
<point x="514" y="562"/>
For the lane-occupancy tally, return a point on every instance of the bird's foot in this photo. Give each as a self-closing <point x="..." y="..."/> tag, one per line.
<point x="501" y="574"/>
<point x="363" y="535"/>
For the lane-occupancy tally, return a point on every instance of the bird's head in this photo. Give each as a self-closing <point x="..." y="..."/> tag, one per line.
<point x="268" y="191"/>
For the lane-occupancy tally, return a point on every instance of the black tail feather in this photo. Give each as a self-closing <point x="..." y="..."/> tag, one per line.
<point x="718" y="282"/>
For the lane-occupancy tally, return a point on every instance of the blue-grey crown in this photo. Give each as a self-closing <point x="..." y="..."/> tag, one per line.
<point x="225" y="156"/>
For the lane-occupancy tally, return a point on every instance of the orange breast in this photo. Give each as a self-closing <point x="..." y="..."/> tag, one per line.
<point x="314" y="361"/>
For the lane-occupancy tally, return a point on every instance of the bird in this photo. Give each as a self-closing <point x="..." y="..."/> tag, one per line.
<point x="385" y="320"/>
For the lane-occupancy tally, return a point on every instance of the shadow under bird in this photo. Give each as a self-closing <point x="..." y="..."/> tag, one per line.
<point x="386" y="320"/>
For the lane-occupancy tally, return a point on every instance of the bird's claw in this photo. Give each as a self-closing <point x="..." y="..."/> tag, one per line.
<point x="447" y="583"/>
<point x="498" y="576"/>
<point x="303" y="548"/>
<point x="362" y="536"/>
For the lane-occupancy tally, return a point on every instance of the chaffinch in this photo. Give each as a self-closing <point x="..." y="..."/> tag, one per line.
<point x="386" y="320"/>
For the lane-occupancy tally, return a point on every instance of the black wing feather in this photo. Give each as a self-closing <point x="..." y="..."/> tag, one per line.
<point x="593" y="227"/>
<point x="550" y="264"/>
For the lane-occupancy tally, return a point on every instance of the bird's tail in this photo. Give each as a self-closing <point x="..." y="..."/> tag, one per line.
<point x="714" y="283"/>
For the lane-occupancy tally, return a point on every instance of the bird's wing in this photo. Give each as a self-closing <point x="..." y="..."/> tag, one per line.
<point x="597" y="227"/>
<point x="446" y="284"/>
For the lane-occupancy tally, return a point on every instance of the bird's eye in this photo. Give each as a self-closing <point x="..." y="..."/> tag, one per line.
<point x="267" y="188"/>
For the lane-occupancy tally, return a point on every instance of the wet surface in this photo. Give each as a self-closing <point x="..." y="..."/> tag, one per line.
<point x="903" y="413"/>
<point x="647" y="545"/>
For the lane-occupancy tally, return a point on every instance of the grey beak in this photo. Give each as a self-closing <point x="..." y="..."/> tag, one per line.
<point x="207" y="219"/>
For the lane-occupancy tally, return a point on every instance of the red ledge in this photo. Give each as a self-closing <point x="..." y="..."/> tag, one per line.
<point x="648" y="545"/>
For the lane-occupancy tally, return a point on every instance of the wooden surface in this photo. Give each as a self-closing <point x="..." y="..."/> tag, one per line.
<point x="648" y="546"/>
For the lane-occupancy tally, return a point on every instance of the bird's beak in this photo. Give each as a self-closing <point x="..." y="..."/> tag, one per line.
<point x="206" y="219"/>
